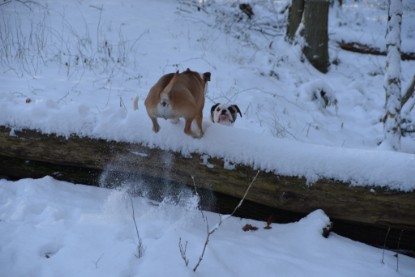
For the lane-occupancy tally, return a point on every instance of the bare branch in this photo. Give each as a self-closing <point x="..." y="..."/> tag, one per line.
<point x="397" y="253"/>
<point x="246" y="193"/>
<point x="183" y="252"/>
<point x="384" y="245"/>
<point x="140" y="246"/>
<point x="209" y="231"/>
<point x="26" y="3"/>
<point x="410" y="92"/>
<point x="97" y="261"/>
<point x="361" y="48"/>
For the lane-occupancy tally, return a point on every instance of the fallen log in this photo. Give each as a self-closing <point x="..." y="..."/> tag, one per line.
<point x="367" y="49"/>
<point x="29" y="153"/>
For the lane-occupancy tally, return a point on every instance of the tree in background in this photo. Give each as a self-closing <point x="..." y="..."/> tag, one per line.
<point x="295" y="14"/>
<point x="392" y="85"/>
<point x="315" y="32"/>
<point x="313" y="14"/>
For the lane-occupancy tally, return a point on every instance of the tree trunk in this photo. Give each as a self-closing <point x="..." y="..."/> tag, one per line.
<point x="315" y="33"/>
<point x="391" y="128"/>
<point x="295" y="14"/>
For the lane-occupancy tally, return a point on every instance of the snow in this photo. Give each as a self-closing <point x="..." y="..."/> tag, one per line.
<point x="54" y="228"/>
<point x="75" y="67"/>
<point x="93" y="64"/>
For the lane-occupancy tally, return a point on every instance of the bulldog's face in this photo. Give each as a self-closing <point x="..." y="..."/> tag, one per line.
<point x="224" y="114"/>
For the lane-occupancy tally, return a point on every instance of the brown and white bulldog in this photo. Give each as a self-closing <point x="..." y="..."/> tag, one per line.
<point x="224" y="114"/>
<point x="178" y="95"/>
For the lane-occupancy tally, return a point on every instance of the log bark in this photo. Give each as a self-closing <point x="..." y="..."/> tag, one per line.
<point x="361" y="213"/>
<point x="361" y="48"/>
<point x="339" y="200"/>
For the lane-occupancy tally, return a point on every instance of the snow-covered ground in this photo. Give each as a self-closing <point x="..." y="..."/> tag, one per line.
<point x="75" y="66"/>
<point x="53" y="228"/>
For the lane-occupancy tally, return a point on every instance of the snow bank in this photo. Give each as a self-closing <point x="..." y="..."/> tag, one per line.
<point x="53" y="228"/>
<point x="282" y="156"/>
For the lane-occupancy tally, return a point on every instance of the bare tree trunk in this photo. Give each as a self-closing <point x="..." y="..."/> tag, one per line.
<point x="316" y="13"/>
<point x="408" y="102"/>
<point x="295" y="14"/>
<point x="392" y="85"/>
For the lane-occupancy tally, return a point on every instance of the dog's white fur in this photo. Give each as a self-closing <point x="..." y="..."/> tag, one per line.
<point x="224" y="114"/>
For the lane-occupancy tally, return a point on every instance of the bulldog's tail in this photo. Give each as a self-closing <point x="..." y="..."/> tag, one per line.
<point x="170" y="85"/>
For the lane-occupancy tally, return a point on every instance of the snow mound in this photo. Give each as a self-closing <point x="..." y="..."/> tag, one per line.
<point x="54" y="228"/>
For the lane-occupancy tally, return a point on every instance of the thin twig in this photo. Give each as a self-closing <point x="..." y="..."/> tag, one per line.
<point x="209" y="231"/>
<point x="246" y="193"/>
<point x="384" y="245"/>
<point x="140" y="247"/>
<point x="198" y="196"/>
<point x="97" y="261"/>
<point x="183" y="252"/>
<point x="409" y="92"/>
<point x="122" y="104"/>
<point x="397" y="252"/>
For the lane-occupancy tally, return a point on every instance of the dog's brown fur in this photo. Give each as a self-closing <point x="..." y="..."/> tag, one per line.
<point x="178" y="95"/>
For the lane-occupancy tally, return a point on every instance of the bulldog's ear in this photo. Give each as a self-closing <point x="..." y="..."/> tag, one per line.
<point x="236" y="109"/>
<point x="206" y="76"/>
<point x="213" y="108"/>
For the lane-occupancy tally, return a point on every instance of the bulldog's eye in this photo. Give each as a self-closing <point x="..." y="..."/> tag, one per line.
<point x="217" y="109"/>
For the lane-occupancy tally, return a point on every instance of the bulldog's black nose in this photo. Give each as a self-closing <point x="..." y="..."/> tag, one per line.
<point x="223" y="112"/>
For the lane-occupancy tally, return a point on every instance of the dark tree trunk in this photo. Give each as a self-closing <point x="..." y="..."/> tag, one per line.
<point x="315" y="33"/>
<point x="295" y="14"/>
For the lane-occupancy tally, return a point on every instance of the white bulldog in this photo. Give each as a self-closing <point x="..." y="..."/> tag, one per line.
<point x="224" y="114"/>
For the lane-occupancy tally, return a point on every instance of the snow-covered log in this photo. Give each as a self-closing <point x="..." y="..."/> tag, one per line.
<point x="358" y="212"/>
<point x="358" y="47"/>
<point x="82" y="159"/>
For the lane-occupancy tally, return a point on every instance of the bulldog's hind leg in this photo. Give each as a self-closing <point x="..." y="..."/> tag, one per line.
<point x="188" y="128"/>
<point x="199" y="121"/>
